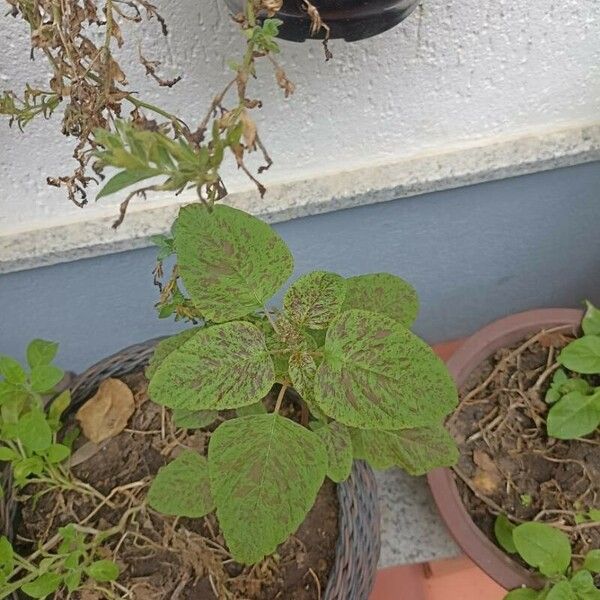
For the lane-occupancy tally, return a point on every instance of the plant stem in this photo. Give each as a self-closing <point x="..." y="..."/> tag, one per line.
<point x="280" y="398"/>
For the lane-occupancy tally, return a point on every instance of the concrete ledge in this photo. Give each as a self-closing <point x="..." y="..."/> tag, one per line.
<point x="466" y="164"/>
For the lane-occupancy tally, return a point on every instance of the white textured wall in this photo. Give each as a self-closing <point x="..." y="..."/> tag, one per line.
<point x="458" y="70"/>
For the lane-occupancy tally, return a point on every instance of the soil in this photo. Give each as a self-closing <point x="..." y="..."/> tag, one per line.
<point x="507" y="463"/>
<point x="167" y="558"/>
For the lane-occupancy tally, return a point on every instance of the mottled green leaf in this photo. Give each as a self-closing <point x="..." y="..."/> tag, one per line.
<point x="11" y="370"/>
<point x="543" y="547"/>
<point x="231" y="263"/>
<point x="41" y="352"/>
<point x="591" y="320"/>
<point x="43" y="586"/>
<point x="376" y="374"/>
<point x="337" y="441"/>
<point x="385" y="294"/>
<point x="166" y="346"/>
<point x="417" y="451"/>
<point x="253" y="409"/>
<point x="182" y="488"/>
<point x="103" y="570"/>
<point x="582" y="355"/>
<point x="265" y="473"/>
<point x="34" y="432"/>
<point x="193" y="419"/>
<point x="561" y="591"/>
<point x="220" y="367"/>
<point x="592" y="561"/>
<point x="73" y="580"/>
<point x="503" y="529"/>
<point x="302" y="370"/>
<point x="574" y="415"/>
<point x="315" y="299"/>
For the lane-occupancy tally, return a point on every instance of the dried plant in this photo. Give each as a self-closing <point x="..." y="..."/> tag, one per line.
<point x="116" y="128"/>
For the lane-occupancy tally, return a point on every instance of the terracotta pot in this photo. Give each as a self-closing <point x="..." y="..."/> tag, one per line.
<point x="475" y="544"/>
<point x="349" y="19"/>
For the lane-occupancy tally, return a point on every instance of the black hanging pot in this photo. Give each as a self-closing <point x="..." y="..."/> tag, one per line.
<point x="349" y="19"/>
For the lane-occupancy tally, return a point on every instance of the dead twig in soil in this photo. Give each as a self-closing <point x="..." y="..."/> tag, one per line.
<point x="317" y="582"/>
<point x="512" y="355"/>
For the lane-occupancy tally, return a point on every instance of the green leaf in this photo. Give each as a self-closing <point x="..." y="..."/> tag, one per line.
<point x="230" y="262"/>
<point x="45" y="377"/>
<point x="561" y="591"/>
<point x="103" y="570"/>
<point x="254" y="409"/>
<point x="543" y="547"/>
<point x="6" y="454"/>
<point x="41" y="352"/>
<point x="376" y="374"/>
<point x="417" y="451"/>
<point x="583" y="585"/>
<point x="591" y="320"/>
<point x="265" y="474"/>
<point x="43" y="586"/>
<point x="34" y="432"/>
<point x="220" y="367"/>
<point x="166" y="346"/>
<point x="574" y="416"/>
<point x="592" y="561"/>
<point x="194" y="419"/>
<point x="503" y="529"/>
<point x="338" y="444"/>
<point x="57" y="453"/>
<point x="6" y="556"/>
<point x="554" y="393"/>
<point x="385" y="294"/>
<point x="124" y="179"/>
<point x="73" y="580"/>
<point x="582" y="355"/>
<point x="11" y="370"/>
<point x="182" y="488"/>
<point x="302" y="370"/>
<point x="523" y="594"/>
<point x="315" y="299"/>
<point x="57" y="408"/>
<point x="23" y="468"/>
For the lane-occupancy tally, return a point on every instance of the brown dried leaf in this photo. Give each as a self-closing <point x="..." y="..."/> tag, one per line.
<point x="106" y="414"/>
<point x="487" y="476"/>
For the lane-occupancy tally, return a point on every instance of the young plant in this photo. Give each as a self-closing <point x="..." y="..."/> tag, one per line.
<point x="369" y="388"/>
<point x="73" y="566"/>
<point x="575" y="410"/>
<point x="548" y="550"/>
<point x="27" y="432"/>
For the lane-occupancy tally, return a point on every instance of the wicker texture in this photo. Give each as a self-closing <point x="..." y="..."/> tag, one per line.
<point x="358" y="545"/>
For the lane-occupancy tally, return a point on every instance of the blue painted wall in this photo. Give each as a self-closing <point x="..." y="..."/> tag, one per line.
<point x="474" y="254"/>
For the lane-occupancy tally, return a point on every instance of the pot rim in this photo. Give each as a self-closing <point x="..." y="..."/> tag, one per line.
<point x="474" y="543"/>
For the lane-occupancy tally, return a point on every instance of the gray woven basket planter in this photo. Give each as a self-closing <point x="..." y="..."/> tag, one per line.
<point x="358" y="544"/>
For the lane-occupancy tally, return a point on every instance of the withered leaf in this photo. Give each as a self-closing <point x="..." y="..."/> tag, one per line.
<point x="106" y="414"/>
<point x="487" y="477"/>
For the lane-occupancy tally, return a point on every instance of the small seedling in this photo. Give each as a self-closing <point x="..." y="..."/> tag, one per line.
<point x="73" y="566"/>
<point x="370" y="389"/>
<point x="548" y="550"/>
<point x="575" y="403"/>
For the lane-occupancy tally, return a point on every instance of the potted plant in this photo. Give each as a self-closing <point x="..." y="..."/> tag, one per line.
<point x="527" y="431"/>
<point x="211" y="466"/>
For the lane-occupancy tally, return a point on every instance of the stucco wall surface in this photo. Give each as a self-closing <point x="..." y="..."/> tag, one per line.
<point x="455" y="71"/>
